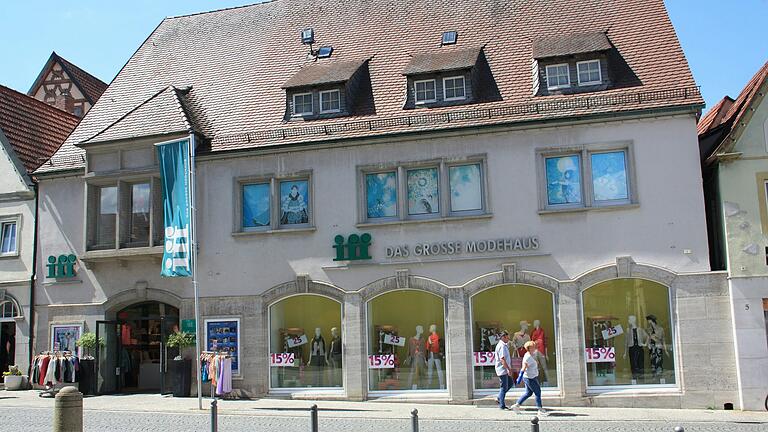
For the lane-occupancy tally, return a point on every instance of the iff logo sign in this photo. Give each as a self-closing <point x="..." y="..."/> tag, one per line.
<point x="64" y="267"/>
<point x="355" y="248"/>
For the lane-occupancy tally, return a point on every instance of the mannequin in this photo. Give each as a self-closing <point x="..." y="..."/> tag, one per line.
<point x="635" y="339"/>
<point x="334" y="357"/>
<point x="435" y="356"/>
<point x="656" y="345"/>
<point x="538" y="336"/>
<point x="520" y="338"/>
<point x="317" y="355"/>
<point x="416" y="358"/>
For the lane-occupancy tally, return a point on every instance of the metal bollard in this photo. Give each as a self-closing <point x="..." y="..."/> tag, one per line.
<point x="679" y="429"/>
<point x="68" y="411"/>
<point x="214" y="416"/>
<point x="415" y="420"/>
<point x="535" y="424"/>
<point x="313" y="418"/>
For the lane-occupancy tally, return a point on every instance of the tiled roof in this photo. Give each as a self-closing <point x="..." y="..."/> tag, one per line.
<point x="237" y="60"/>
<point x="34" y="129"/>
<point x="161" y="114"/>
<point x="446" y="59"/>
<point x="91" y="87"/>
<point x="728" y="113"/>
<point x="569" y="44"/>
<point x="324" y="72"/>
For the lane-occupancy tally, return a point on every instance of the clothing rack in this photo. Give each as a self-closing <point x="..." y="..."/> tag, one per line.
<point x="51" y="390"/>
<point x="210" y="355"/>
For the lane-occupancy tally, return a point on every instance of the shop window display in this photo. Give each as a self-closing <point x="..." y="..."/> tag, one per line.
<point x="500" y="308"/>
<point x="627" y="325"/>
<point x="406" y="346"/>
<point x="305" y="342"/>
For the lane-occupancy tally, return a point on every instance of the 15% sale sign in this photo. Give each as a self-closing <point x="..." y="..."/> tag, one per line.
<point x="384" y="361"/>
<point x="601" y="355"/>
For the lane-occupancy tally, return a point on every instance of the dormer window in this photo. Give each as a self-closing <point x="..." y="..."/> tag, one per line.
<point x="558" y="76"/>
<point x="453" y="88"/>
<point x="302" y="104"/>
<point x="589" y="72"/>
<point x="425" y="91"/>
<point x="330" y="101"/>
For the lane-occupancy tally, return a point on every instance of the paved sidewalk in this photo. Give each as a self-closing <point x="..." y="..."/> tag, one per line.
<point x="379" y="409"/>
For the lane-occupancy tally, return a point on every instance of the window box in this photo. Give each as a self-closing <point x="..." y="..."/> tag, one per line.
<point x="589" y="72"/>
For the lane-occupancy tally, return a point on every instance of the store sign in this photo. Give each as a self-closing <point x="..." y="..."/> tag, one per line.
<point x="386" y="361"/>
<point x="601" y="355"/>
<point x="282" y="359"/>
<point x="391" y="339"/>
<point x="353" y="248"/>
<point x="188" y="326"/>
<point x="458" y="247"/>
<point x="61" y="267"/>
<point x="294" y="341"/>
<point x="483" y="358"/>
<point x="612" y="332"/>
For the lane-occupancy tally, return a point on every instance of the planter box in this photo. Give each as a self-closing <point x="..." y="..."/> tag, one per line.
<point x="181" y="377"/>
<point x="86" y="377"/>
<point x="14" y="382"/>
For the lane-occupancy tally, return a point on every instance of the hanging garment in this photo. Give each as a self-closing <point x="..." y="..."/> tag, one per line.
<point x="44" y="369"/>
<point x="225" y="379"/>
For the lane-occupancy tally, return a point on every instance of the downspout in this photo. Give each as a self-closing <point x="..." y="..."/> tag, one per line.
<point x="33" y="278"/>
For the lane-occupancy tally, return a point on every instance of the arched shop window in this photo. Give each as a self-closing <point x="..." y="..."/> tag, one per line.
<point x="9" y="309"/>
<point x="628" y="333"/>
<point x="527" y="313"/>
<point x="305" y="342"/>
<point x="406" y="345"/>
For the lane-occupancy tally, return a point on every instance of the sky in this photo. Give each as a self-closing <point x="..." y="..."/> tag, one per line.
<point x="725" y="42"/>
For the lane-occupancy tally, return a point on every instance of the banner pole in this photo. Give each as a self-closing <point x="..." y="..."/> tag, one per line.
<point x="193" y="237"/>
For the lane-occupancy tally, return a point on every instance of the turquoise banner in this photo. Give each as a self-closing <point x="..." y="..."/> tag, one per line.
<point x="175" y="178"/>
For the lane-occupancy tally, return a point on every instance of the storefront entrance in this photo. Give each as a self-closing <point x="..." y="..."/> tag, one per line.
<point x="133" y="356"/>
<point x="7" y="345"/>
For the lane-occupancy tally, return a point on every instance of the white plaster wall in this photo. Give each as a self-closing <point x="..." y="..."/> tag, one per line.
<point x="747" y="296"/>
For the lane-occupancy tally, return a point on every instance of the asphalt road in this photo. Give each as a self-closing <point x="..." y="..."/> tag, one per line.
<point x="14" y="419"/>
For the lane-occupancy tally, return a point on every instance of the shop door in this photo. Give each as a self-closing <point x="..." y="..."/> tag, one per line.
<point x="107" y="357"/>
<point x="168" y="375"/>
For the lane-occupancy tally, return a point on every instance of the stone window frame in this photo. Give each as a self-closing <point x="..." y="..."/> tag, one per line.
<point x="599" y="72"/>
<point x="463" y="88"/>
<point x="401" y="169"/>
<point x="416" y="99"/>
<point x="567" y="75"/>
<point x="274" y="203"/>
<point x="585" y="152"/>
<point x="16" y="220"/>
<point x="294" y="105"/>
<point x="338" y="101"/>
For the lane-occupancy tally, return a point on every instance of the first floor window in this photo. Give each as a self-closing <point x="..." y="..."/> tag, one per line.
<point x="425" y="91"/>
<point x="381" y="194"/>
<point x="558" y="76"/>
<point x="609" y="176"/>
<point x="8" y="244"/>
<point x="628" y="334"/>
<point x="256" y="208"/>
<point x="589" y="72"/>
<point x="305" y="342"/>
<point x="423" y="191"/>
<point x="106" y="216"/>
<point x="294" y="202"/>
<point x="330" y="101"/>
<point x="406" y="341"/>
<point x="495" y="310"/>
<point x="453" y="88"/>
<point x="302" y="104"/>
<point x="563" y="176"/>
<point x="140" y="211"/>
<point x="466" y="185"/>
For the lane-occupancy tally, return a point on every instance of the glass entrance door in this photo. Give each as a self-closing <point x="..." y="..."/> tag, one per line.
<point x="168" y="375"/>
<point x="107" y="357"/>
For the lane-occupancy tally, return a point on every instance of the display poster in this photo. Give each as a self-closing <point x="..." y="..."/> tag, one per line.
<point x="64" y="337"/>
<point x="223" y="335"/>
<point x="483" y="358"/>
<point x="282" y="360"/>
<point x="386" y="361"/>
<point x="601" y="355"/>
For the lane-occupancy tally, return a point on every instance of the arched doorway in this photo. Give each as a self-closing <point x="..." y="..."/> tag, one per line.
<point x="133" y="357"/>
<point x="9" y="313"/>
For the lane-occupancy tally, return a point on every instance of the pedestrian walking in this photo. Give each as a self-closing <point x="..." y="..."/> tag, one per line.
<point x="503" y="367"/>
<point x="530" y="372"/>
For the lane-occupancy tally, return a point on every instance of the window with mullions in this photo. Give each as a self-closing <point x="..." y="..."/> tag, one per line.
<point x="106" y="223"/>
<point x="558" y="76"/>
<point x="381" y="195"/>
<point x="453" y="88"/>
<point x="425" y="91"/>
<point x="256" y="208"/>
<point x="302" y="104"/>
<point x="330" y="101"/>
<point x="423" y="191"/>
<point x="589" y="72"/>
<point x="9" y="238"/>
<point x="140" y="214"/>
<point x="563" y="174"/>
<point x="271" y="203"/>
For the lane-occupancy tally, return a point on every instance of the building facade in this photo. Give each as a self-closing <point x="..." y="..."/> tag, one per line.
<point x="734" y="144"/>
<point x="67" y="87"/>
<point x="373" y="219"/>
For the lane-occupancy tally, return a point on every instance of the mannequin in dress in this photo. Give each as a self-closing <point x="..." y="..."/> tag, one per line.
<point x="656" y="346"/>
<point x="317" y="355"/>
<point x="520" y="338"/>
<point x="334" y="357"/>
<point x="416" y="358"/>
<point x="435" y="356"/>
<point x="538" y="336"/>
<point x="635" y="339"/>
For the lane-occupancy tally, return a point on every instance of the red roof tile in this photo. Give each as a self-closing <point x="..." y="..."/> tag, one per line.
<point x="35" y="129"/>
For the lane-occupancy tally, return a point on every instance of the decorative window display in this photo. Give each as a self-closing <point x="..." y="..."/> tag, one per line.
<point x="563" y="175"/>
<point x="294" y="202"/>
<point x="381" y="194"/>
<point x="64" y="337"/>
<point x="609" y="176"/>
<point x="256" y="211"/>
<point x="423" y="191"/>
<point x="497" y="309"/>
<point x="466" y="185"/>
<point x="628" y="332"/>
<point x="305" y="342"/>
<point x="223" y="336"/>
<point x="406" y="346"/>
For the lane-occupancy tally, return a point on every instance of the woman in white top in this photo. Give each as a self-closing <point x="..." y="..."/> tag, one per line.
<point x="530" y="371"/>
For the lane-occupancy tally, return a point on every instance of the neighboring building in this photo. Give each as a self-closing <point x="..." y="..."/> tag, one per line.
<point x="378" y="208"/>
<point x="30" y="131"/>
<point x="734" y="150"/>
<point x="66" y="86"/>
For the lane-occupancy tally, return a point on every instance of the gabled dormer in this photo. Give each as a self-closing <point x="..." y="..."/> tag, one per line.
<point x="328" y="89"/>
